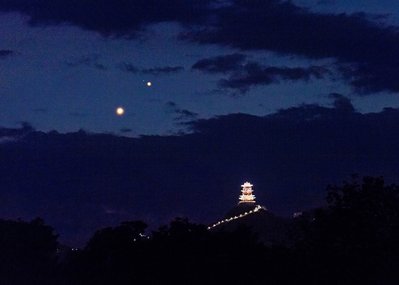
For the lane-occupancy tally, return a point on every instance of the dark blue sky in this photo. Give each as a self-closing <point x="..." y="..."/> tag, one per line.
<point x="291" y="96"/>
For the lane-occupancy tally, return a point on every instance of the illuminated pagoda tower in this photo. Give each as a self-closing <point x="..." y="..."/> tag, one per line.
<point x="270" y="229"/>
<point x="246" y="207"/>
<point x="247" y="196"/>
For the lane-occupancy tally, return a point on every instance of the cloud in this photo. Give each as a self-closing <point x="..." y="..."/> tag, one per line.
<point x="369" y="77"/>
<point x="128" y="67"/>
<point x="88" y="60"/>
<point x="369" y="48"/>
<point x="185" y="115"/>
<point x="242" y="75"/>
<point x="357" y="40"/>
<point x="100" y="66"/>
<point x="180" y="114"/>
<point x="254" y="74"/>
<point x="342" y="103"/>
<point x="283" y="27"/>
<point x="171" y="104"/>
<point x="125" y="130"/>
<point x="163" y="70"/>
<point x="221" y="64"/>
<point x="10" y="135"/>
<point x="4" y="53"/>
<point x="110" y="18"/>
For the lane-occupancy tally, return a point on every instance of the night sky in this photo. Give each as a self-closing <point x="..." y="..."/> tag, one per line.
<point x="289" y="95"/>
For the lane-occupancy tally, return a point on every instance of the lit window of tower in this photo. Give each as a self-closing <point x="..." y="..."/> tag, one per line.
<point x="247" y="196"/>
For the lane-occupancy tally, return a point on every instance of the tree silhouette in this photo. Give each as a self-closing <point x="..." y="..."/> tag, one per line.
<point x="351" y="241"/>
<point x="117" y="238"/>
<point x="355" y="238"/>
<point x="28" y="252"/>
<point x="111" y="256"/>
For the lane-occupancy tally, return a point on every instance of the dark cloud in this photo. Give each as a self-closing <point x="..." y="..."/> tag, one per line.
<point x="371" y="77"/>
<point x="368" y="47"/>
<point x="180" y="114"/>
<point x="89" y="60"/>
<point x="121" y="18"/>
<point x="125" y="130"/>
<point x="8" y="135"/>
<point x="254" y="74"/>
<point x="6" y="53"/>
<point x="171" y="104"/>
<point x="290" y="156"/>
<point x="163" y="70"/>
<point x="128" y="67"/>
<point x="242" y="75"/>
<point x="184" y="114"/>
<point x="342" y="103"/>
<point x="100" y="66"/>
<point x="283" y="27"/>
<point x="221" y="64"/>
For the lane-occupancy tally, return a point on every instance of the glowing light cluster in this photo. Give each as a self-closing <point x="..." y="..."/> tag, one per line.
<point x="142" y="236"/>
<point x="247" y="196"/>
<point x="256" y="209"/>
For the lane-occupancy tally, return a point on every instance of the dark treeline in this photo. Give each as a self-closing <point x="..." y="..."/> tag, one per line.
<point x="354" y="240"/>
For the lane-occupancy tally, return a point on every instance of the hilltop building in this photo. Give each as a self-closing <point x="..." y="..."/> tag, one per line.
<point x="270" y="229"/>
<point x="246" y="206"/>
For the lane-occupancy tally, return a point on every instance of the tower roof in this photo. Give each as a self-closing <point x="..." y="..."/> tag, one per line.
<point x="247" y="184"/>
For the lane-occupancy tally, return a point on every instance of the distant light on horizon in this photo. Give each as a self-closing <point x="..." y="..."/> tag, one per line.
<point x="149" y="83"/>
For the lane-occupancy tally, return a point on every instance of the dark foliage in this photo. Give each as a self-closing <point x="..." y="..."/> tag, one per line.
<point x="27" y="252"/>
<point x="352" y="241"/>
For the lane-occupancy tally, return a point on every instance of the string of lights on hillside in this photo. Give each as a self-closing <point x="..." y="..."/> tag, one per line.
<point x="221" y="222"/>
<point x="245" y="197"/>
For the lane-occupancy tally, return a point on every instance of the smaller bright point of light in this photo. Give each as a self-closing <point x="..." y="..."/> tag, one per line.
<point x="149" y="83"/>
<point x="120" y="111"/>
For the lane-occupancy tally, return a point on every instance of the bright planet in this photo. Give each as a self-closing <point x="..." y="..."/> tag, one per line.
<point x="120" y="111"/>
